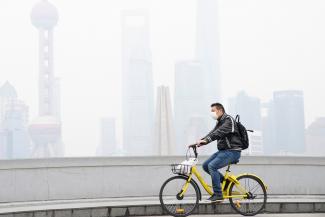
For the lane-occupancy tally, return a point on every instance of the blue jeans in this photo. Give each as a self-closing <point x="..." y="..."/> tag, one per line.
<point x="216" y="161"/>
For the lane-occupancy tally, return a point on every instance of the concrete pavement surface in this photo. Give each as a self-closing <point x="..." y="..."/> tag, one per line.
<point x="150" y="206"/>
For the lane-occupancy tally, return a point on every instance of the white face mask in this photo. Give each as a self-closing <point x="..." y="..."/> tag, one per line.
<point x="214" y="115"/>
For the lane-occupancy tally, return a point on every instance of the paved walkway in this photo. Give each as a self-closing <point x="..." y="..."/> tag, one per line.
<point x="150" y="206"/>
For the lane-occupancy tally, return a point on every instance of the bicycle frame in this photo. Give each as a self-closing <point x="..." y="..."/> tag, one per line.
<point x="231" y="178"/>
<point x="236" y="188"/>
<point x="242" y="194"/>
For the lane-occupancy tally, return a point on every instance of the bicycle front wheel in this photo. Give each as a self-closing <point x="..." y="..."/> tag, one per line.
<point x="173" y="201"/>
<point x="255" y="197"/>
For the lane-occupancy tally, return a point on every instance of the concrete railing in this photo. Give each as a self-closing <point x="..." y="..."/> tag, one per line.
<point x="79" y="178"/>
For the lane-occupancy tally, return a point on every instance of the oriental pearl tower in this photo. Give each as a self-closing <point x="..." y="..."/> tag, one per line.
<point x="45" y="130"/>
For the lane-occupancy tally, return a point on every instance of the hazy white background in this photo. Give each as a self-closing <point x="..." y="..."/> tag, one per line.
<point x="265" y="45"/>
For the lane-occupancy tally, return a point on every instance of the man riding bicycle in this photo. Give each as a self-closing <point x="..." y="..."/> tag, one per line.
<point x="229" y="148"/>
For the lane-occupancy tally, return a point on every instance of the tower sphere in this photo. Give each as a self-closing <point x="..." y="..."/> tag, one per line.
<point x="44" y="15"/>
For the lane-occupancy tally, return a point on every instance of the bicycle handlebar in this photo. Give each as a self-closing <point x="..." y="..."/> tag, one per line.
<point x="194" y="146"/>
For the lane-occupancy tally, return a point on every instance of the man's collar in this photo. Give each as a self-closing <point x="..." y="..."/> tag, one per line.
<point x="223" y="116"/>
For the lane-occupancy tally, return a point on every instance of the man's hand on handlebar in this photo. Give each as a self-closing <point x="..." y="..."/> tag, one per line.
<point x="192" y="145"/>
<point x="198" y="144"/>
<point x="201" y="142"/>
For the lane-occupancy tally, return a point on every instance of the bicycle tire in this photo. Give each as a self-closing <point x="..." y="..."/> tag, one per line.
<point x="237" y="207"/>
<point x="164" y="205"/>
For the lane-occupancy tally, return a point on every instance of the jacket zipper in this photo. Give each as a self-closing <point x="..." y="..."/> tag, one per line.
<point x="227" y="141"/>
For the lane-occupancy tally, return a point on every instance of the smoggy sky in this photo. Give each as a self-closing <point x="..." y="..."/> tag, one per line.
<point x="264" y="46"/>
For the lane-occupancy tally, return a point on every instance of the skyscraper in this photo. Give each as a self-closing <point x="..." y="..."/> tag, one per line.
<point x="14" y="139"/>
<point x="192" y="113"/>
<point x="249" y="109"/>
<point x="197" y="82"/>
<point x="46" y="129"/>
<point x="286" y="123"/>
<point x="207" y="48"/>
<point x="290" y="120"/>
<point x="15" y="126"/>
<point x="256" y="146"/>
<point x="137" y="84"/>
<point x="7" y="93"/>
<point x="164" y="135"/>
<point x="315" y="137"/>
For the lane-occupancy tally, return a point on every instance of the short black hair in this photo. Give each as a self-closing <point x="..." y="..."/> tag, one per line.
<point x="219" y="106"/>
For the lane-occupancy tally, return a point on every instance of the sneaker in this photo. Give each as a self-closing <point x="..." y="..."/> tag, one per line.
<point x="215" y="198"/>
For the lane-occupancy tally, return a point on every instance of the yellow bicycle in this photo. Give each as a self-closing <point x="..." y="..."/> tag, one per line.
<point x="180" y="195"/>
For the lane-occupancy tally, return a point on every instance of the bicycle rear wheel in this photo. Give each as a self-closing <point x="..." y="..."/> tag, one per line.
<point x="173" y="202"/>
<point x="255" y="199"/>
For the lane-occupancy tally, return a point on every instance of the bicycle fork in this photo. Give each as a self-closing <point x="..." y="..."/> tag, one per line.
<point x="185" y="186"/>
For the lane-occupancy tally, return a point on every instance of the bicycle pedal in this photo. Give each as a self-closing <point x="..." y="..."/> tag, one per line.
<point x="180" y="210"/>
<point x="237" y="203"/>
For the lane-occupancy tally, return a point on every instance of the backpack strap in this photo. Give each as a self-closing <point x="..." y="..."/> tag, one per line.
<point x="237" y="118"/>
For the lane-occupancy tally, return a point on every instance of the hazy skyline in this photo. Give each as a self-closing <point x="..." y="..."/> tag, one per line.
<point x="264" y="46"/>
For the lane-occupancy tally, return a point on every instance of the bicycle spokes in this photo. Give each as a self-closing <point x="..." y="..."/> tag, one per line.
<point x="252" y="195"/>
<point x="179" y="197"/>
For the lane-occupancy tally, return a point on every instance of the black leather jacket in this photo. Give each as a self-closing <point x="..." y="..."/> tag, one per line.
<point x="226" y="132"/>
